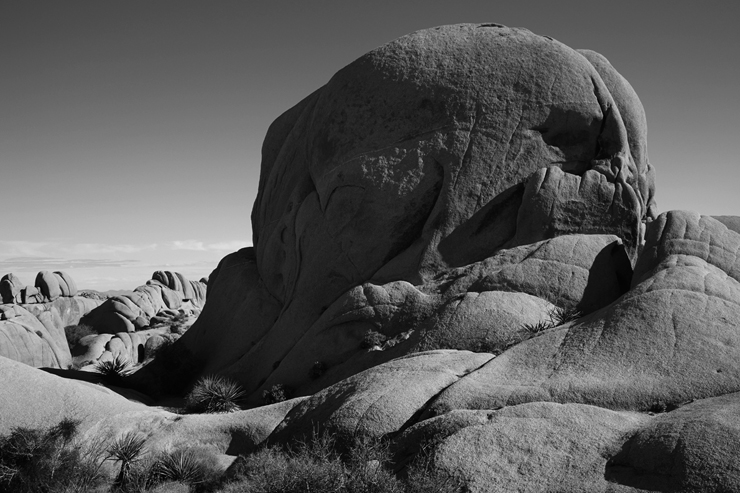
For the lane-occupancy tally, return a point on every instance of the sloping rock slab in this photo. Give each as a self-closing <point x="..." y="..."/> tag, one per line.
<point x="380" y="400"/>
<point x="527" y="448"/>
<point x="694" y="448"/>
<point x="34" y="398"/>
<point x="674" y="337"/>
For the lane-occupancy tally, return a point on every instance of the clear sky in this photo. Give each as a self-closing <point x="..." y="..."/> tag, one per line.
<point x="130" y="131"/>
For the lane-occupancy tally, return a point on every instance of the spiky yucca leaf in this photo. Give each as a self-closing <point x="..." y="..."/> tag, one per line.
<point x="116" y="368"/>
<point x="214" y="394"/>
<point x="181" y="465"/>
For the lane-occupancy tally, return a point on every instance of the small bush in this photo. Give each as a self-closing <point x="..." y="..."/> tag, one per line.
<point x="114" y="370"/>
<point x="276" y="393"/>
<point x="317" y="370"/>
<point x="36" y="460"/>
<point x="76" y="332"/>
<point x="214" y="394"/>
<point x="315" y="465"/>
<point x="372" y="338"/>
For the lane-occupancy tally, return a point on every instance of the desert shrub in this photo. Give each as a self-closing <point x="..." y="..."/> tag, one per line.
<point x="214" y="394"/>
<point x="372" y="338"/>
<point x="127" y="449"/>
<point x="76" y="332"/>
<point x="39" y="460"/>
<point x="114" y="370"/>
<point x="276" y="393"/>
<point x="316" y="465"/>
<point x="317" y="370"/>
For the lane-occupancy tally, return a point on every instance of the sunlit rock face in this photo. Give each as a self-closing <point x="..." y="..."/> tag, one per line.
<point x="425" y="159"/>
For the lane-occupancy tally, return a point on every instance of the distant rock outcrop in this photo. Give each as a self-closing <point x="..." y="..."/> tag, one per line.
<point x="48" y="286"/>
<point x="134" y="311"/>
<point x="33" y="318"/>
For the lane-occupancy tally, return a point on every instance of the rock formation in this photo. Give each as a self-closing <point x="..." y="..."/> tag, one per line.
<point x="443" y="189"/>
<point x="134" y="311"/>
<point x="457" y="249"/>
<point x="33" y="318"/>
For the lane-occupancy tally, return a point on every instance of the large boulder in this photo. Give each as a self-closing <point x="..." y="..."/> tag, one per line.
<point x="459" y="147"/>
<point x="48" y="283"/>
<point x="10" y="287"/>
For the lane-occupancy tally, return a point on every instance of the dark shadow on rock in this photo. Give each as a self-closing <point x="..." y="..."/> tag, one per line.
<point x="613" y="259"/>
<point x="486" y="231"/>
<point x="652" y="473"/>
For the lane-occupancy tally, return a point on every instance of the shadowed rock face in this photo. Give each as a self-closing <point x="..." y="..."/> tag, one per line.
<point x="430" y="170"/>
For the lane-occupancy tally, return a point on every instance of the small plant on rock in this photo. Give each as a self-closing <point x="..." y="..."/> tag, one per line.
<point x="560" y="316"/>
<point x="537" y="327"/>
<point x="214" y="394"/>
<point x="372" y="338"/>
<point x="276" y="393"/>
<point x="114" y="370"/>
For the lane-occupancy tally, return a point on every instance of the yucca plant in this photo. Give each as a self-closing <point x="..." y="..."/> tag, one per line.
<point x="183" y="466"/>
<point x="560" y="316"/>
<point x="214" y="394"/>
<point x="114" y="370"/>
<point x="127" y="449"/>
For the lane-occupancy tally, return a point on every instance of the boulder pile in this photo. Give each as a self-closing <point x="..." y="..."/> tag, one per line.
<point x="162" y="295"/>
<point x="48" y="287"/>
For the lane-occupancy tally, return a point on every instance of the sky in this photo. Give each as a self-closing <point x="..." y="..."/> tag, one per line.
<point x="130" y="131"/>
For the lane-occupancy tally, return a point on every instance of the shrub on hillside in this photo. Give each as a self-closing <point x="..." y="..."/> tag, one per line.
<point x="316" y="465"/>
<point x="36" y="460"/>
<point x="276" y="393"/>
<point x="214" y="394"/>
<point x="372" y="338"/>
<point x="76" y="332"/>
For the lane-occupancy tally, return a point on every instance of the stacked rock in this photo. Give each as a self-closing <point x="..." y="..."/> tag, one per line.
<point x="48" y="286"/>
